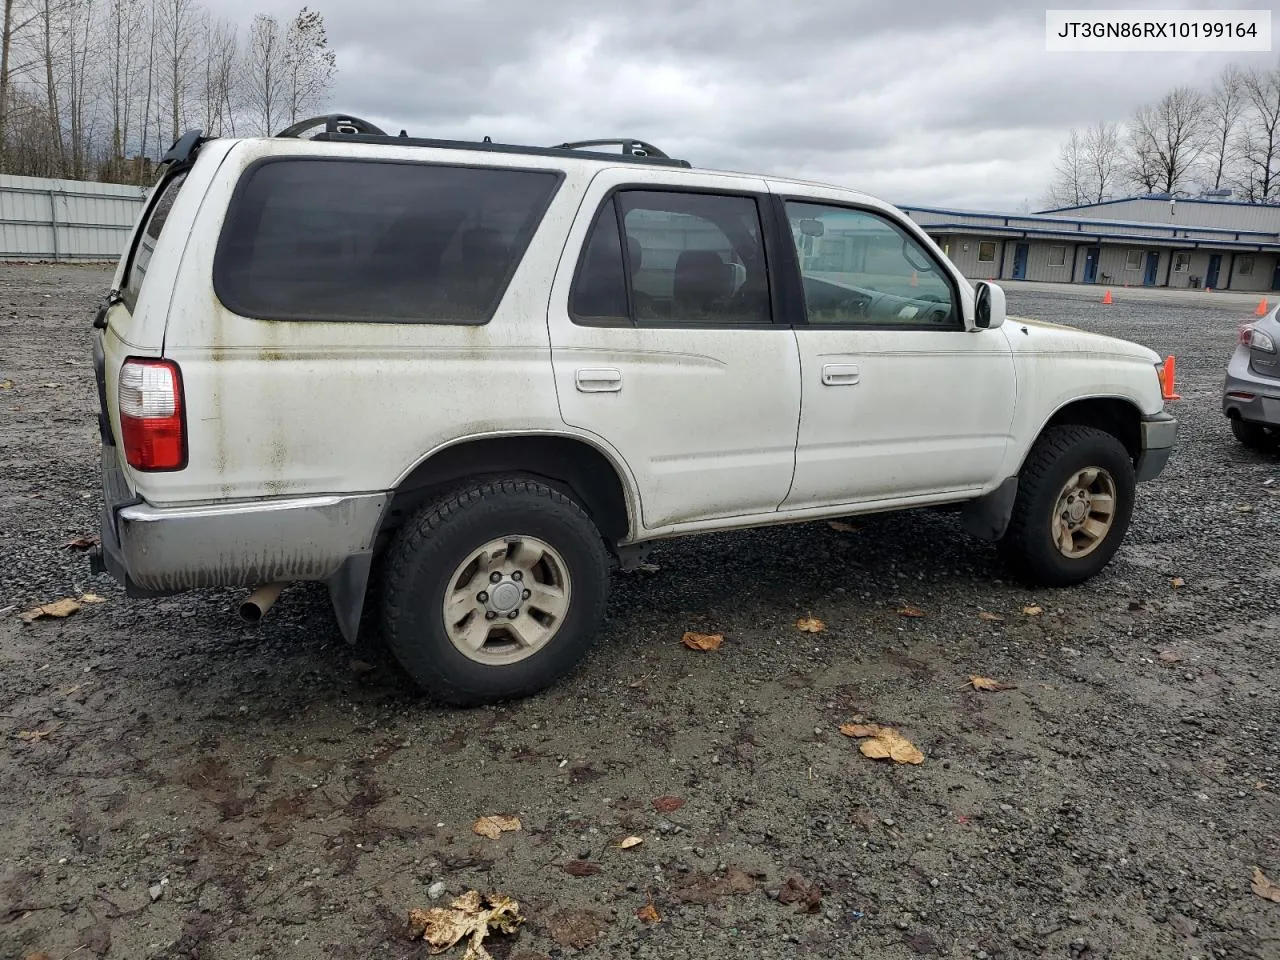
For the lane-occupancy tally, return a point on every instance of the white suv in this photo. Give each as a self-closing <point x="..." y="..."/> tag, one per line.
<point x="499" y="371"/>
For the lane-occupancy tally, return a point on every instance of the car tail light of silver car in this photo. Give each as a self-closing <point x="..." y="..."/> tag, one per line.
<point x="1252" y="337"/>
<point x="152" y="426"/>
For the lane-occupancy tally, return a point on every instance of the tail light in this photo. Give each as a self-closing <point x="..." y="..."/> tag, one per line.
<point x="1251" y="336"/>
<point x="152" y="426"/>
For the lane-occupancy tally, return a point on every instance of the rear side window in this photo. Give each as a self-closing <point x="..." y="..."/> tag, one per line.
<point x="149" y="236"/>
<point x="376" y="241"/>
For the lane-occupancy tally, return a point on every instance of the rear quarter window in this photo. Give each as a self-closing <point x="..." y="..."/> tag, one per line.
<point x="376" y="241"/>
<point x="149" y="236"/>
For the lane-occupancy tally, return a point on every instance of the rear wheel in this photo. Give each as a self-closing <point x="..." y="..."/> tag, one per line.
<point x="1075" y="499"/>
<point x="495" y="592"/>
<point x="1255" y="436"/>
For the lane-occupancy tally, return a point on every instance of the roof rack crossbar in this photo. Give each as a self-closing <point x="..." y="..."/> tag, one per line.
<point x="630" y="146"/>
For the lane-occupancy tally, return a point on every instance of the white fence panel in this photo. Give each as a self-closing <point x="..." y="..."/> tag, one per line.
<point x="43" y="219"/>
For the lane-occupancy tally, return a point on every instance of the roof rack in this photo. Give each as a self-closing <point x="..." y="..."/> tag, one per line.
<point x="634" y="148"/>
<point x="346" y="128"/>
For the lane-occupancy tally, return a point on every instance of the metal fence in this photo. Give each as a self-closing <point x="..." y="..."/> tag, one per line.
<point x="42" y="219"/>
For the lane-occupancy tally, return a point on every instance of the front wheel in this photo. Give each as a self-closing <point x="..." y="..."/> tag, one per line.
<point x="1075" y="499"/>
<point x="494" y="592"/>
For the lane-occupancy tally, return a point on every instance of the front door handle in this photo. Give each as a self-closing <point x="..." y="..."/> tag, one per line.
<point x="839" y="374"/>
<point x="598" y="380"/>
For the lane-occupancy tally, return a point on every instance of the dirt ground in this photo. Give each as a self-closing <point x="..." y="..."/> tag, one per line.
<point x="174" y="783"/>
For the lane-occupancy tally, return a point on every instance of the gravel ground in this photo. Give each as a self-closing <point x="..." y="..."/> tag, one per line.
<point x="200" y="788"/>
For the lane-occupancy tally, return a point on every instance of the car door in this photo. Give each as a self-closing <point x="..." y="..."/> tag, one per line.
<point x="665" y="347"/>
<point x="901" y="401"/>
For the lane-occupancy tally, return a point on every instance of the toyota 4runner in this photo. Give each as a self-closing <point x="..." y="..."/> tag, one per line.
<point x="499" y="371"/>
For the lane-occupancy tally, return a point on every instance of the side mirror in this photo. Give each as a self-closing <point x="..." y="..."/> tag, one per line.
<point x="812" y="228"/>
<point x="989" y="305"/>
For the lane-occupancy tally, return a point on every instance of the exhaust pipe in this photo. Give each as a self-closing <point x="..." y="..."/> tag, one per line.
<point x="257" y="604"/>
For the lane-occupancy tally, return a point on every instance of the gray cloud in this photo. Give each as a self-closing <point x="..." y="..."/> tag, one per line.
<point x="920" y="102"/>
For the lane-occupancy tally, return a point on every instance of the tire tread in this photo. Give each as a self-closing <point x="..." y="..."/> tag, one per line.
<point x="417" y="535"/>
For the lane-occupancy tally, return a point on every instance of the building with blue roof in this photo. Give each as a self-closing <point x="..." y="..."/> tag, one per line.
<point x="1151" y="240"/>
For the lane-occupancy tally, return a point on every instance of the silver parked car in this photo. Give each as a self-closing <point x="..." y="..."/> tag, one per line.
<point x="1251" y="396"/>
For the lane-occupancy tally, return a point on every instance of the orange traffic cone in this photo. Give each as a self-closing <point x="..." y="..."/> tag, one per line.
<point x="1262" y="308"/>
<point x="1106" y="297"/>
<point x="1167" y="375"/>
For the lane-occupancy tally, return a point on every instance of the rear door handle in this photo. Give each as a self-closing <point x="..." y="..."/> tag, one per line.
<point x="839" y="374"/>
<point x="598" y="380"/>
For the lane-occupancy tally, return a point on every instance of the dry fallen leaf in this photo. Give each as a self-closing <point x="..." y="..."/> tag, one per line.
<point x="1033" y="611"/>
<point x="1178" y="582"/>
<point x="582" y="868"/>
<point x="495" y="826"/>
<point x="705" y="889"/>
<point x="910" y="612"/>
<point x="469" y="917"/>
<point x="807" y="896"/>
<point x="839" y="526"/>
<point x="667" y="804"/>
<point x="1264" y="887"/>
<point x="810" y="625"/>
<point x="883" y="743"/>
<point x="81" y="543"/>
<point x="57" y="609"/>
<point x="92" y="598"/>
<point x="987" y="684"/>
<point x="649" y="914"/>
<point x="990" y="617"/>
<point x="630" y="842"/>
<point x="702" y="641"/>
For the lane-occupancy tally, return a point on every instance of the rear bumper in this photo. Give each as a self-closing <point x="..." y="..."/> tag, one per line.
<point x="159" y="550"/>
<point x="1158" y="434"/>
<point x="1249" y="396"/>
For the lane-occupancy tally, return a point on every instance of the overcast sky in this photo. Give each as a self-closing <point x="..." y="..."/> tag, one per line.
<point x="946" y="102"/>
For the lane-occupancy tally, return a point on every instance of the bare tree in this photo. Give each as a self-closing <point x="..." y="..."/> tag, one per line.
<point x="1224" y="109"/>
<point x="1068" y="188"/>
<point x="79" y="23"/>
<point x="178" y="23"/>
<point x="1089" y="166"/>
<point x="309" y="63"/>
<point x="1166" y="140"/>
<point x="17" y="18"/>
<point x="263" y="75"/>
<point x="1103" y="160"/>
<point x="218" y="53"/>
<point x="123" y="28"/>
<point x="85" y="85"/>
<point x="1260" y="142"/>
<point x="50" y="28"/>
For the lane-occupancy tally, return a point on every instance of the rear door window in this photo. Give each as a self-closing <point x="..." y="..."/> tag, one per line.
<point x="149" y="236"/>
<point x="376" y="241"/>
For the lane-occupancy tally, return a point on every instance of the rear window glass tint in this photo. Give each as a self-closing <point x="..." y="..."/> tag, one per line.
<point x="150" y="234"/>
<point x="600" y="288"/>
<point x="347" y="240"/>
